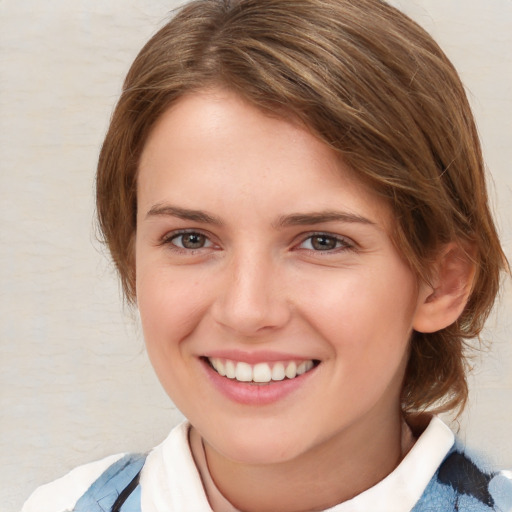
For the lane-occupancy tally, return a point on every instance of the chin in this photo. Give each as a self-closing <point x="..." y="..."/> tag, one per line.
<point x="262" y="444"/>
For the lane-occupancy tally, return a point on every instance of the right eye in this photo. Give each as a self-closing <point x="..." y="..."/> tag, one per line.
<point x="190" y="240"/>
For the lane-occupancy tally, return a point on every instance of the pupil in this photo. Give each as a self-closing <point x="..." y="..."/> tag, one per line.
<point x="193" y="241"/>
<point x="323" y="243"/>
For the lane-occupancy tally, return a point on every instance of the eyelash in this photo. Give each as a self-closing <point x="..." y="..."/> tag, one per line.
<point x="170" y="238"/>
<point x="341" y="243"/>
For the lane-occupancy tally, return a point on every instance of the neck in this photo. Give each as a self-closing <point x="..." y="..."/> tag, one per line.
<point x="332" y="472"/>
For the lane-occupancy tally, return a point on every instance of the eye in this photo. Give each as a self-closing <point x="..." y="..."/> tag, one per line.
<point x="325" y="242"/>
<point x="190" y="240"/>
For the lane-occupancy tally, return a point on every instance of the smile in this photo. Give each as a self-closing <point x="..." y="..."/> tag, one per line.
<point x="261" y="372"/>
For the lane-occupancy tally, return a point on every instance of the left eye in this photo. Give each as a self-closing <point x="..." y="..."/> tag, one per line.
<point x="190" y="241"/>
<point x="322" y="242"/>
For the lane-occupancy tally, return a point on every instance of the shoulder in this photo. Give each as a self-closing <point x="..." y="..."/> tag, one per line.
<point x="62" y="494"/>
<point x="466" y="482"/>
<point x="100" y="483"/>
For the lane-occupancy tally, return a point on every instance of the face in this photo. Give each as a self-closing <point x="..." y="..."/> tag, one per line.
<point x="276" y="310"/>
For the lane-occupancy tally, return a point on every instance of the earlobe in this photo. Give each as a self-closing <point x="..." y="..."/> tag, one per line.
<point x="443" y="300"/>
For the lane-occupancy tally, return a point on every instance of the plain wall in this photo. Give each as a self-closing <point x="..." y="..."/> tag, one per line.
<point x="75" y="381"/>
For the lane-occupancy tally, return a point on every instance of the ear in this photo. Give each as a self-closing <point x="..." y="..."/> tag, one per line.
<point x="443" y="300"/>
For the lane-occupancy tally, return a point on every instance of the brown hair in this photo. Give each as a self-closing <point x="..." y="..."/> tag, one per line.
<point x="370" y="83"/>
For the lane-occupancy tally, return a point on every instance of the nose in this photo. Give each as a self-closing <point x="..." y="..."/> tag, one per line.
<point x="252" y="300"/>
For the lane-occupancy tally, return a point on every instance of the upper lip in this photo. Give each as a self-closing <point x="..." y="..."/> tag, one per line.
<point x="262" y="356"/>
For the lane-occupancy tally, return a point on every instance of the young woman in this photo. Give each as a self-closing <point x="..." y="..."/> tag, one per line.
<point x="293" y="193"/>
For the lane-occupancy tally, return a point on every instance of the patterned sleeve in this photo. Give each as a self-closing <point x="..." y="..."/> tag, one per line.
<point x="464" y="483"/>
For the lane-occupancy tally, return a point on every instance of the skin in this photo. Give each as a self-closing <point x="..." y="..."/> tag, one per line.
<point x="259" y="284"/>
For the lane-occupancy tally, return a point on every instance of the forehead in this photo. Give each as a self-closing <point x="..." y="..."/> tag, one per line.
<point x="218" y="121"/>
<point x="213" y="147"/>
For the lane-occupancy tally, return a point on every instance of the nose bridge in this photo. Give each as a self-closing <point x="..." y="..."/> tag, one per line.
<point x="252" y="299"/>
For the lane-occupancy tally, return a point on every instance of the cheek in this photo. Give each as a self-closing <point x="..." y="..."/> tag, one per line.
<point x="170" y="309"/>
<point x="169" y="306"/>
<point x="366" y="312"/>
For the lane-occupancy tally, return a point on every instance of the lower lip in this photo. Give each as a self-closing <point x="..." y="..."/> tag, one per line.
<point x="252" y="393"/>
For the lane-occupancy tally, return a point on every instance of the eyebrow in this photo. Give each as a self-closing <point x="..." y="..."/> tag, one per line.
<point x="183" y="213"/>
<point x="303" y="219"/>
<point x="295" y="219"/>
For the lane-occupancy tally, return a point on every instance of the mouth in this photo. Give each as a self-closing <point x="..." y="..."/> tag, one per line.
<point x="260" y="373"/>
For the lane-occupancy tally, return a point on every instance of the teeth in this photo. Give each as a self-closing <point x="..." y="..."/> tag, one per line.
<point x="261" y="372"/>
<point x="230" y="370"/>
<point x="304" y="367"/>
<point x="278" y="372"/>
<point x="301" y="368"/>
<point x="219" y="366"/>
<point x="243" y="372"/>
<point x="291" y="370"/>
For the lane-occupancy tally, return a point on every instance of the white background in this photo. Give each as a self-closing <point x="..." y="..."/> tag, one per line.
<point x="75" y="381"/>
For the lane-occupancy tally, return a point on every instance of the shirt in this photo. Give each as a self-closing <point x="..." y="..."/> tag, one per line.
<point x="171" y="482"/>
